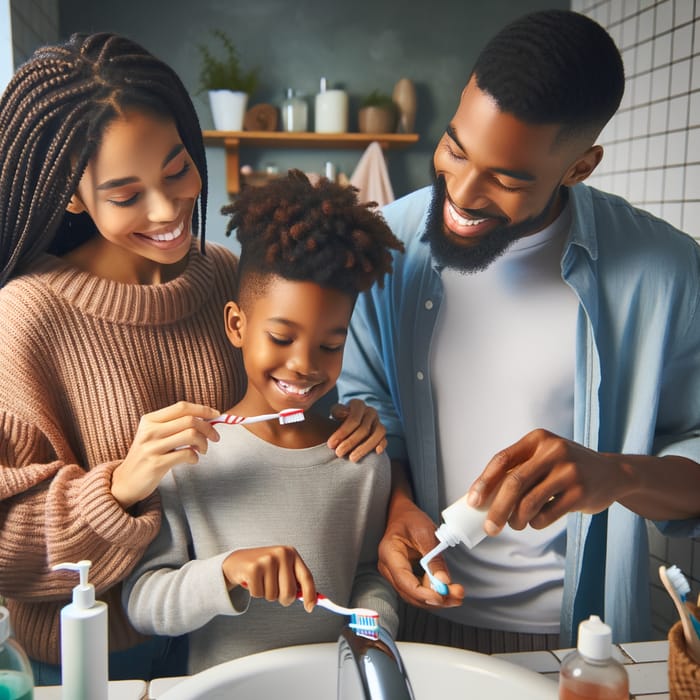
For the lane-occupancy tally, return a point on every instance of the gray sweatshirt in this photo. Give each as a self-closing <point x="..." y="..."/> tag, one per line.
<point x="244" y="493"/>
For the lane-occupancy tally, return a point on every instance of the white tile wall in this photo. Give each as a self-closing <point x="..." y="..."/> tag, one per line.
<point x="652" y="158"/>
<point x="652" y="151"/>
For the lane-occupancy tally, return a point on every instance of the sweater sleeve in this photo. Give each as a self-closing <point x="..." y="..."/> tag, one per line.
<point x="54" y="507"/>
<point x="171" y="594"/>
<point x="53" y="510"/>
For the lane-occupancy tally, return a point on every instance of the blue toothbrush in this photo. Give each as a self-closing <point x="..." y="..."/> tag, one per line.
<point x="678" y="588"/>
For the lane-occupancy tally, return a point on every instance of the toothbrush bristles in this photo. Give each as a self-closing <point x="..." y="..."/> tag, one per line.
<point x="679" y="581"/>
<point x="365" y="626"/>
<point x="291" y="415"/>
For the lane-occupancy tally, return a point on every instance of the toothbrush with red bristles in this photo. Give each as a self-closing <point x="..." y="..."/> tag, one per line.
<point x="285" y="417"/>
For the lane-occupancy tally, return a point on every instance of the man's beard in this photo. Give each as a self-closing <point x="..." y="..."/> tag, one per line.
<point x="476" y="257"/>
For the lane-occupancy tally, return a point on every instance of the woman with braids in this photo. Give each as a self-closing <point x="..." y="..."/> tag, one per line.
<point x="112" y="351"/>
<point x="270" y="510"/>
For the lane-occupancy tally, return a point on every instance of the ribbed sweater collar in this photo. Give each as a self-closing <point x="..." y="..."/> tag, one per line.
<point x="137" y="304"/>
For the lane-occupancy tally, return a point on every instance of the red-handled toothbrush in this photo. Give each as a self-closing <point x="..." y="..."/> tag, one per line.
<point x="286" y="416"/>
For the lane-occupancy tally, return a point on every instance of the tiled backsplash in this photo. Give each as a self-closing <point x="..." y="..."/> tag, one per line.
<point x="652" y="158"/>
<point x="652" y="145"/>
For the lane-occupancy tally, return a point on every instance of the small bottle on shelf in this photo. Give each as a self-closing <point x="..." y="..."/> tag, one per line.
<point x="590" y="672"/>
<point x="295" y="112"/>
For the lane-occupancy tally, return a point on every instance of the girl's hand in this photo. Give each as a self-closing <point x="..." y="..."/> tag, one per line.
<point x="274" y="573"/>
<point x="177" y="434"/>
<point x="360" y="433"/>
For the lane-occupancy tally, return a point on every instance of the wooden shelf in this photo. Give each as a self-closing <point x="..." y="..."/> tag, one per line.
<point x="233" y="140"/>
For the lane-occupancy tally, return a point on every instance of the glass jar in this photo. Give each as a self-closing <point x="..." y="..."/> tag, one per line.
<point x="295" y="112"/>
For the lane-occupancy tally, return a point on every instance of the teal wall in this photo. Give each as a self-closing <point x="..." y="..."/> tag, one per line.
<point x="360" y="46"/>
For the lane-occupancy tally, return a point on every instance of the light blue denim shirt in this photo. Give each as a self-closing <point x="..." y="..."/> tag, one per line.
<point x="637" y="385"/>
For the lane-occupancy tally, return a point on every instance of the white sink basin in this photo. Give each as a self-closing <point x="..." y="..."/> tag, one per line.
<point x="310" y="673"/>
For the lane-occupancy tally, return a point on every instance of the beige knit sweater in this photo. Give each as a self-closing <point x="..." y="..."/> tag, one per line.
<point x="81" y="360"/>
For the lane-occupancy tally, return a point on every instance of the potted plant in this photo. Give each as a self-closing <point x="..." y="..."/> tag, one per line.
<point x="228" y="85"/>
<point x="378" y="114"/>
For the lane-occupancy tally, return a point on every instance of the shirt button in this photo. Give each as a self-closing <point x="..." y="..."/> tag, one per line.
<point x="420" y="376"/>
<point x="428" y="304"/>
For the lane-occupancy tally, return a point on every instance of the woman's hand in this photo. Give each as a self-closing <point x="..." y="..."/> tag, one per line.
<point x="177" y="434"/>
<point x="273" y="573"/>
<point x="361" y="430"/>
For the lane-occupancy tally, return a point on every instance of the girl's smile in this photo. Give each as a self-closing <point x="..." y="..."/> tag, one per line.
<point x="292" y="336"/>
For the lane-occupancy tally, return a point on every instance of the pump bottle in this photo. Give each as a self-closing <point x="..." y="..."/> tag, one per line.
<point x="590" y="672"/>
<point x="84" y="655"/>
<point x="16" y="677"/>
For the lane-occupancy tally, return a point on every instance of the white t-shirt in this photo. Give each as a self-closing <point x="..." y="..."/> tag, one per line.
<point x="502" y="363"/>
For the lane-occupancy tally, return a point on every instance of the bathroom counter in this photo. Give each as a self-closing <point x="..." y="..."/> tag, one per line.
<point x="646" y="664"/>
<point x="118" y="690"/>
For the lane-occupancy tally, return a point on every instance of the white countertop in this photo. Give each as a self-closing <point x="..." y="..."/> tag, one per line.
<point x="118" y="690"/>
<point x="646" y="664"/>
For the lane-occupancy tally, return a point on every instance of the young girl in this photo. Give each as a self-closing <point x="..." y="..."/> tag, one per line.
<point x="112" y="350"/>
<point x="270" y="509"/>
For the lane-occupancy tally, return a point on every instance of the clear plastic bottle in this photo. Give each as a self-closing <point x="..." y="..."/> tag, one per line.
<point x="591" y="672"/>
<point x="16" y="677"/>
<point x="295" y="113"/>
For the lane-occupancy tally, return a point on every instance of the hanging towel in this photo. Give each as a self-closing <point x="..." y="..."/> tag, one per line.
<point x="371" y="177"/>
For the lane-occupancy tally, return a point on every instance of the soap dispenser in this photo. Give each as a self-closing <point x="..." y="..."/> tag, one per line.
<point x="590" y="672"/>
<point x="16" y="677"/>
<point x="84" y="653"/>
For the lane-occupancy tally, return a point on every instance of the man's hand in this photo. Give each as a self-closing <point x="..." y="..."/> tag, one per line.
<point x="409" y="535"/>
<point x="542" y="477"/>
<point x="360" y="432"/>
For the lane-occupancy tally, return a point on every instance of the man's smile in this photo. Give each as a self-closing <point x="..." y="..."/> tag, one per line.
<point x="465" y="226"/>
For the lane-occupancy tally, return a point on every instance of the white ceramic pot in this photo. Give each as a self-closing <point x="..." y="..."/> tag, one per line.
<point x="228" y="109"/>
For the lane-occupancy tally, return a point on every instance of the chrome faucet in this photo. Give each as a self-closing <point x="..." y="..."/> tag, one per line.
<point x="371" y="669"/>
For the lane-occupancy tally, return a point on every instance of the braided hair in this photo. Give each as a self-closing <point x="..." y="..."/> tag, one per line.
<point x="319" y="233"/>
<point x="554" y="67"/>
<point x="53" y="114"/>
